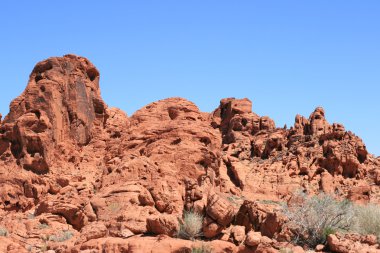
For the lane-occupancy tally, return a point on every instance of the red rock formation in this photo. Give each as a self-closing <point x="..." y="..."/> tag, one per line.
<point x="61" y="104"/>
<point x="352" y="243"/>
<point x="274" y="162"/>
<point x="77" y="175"/>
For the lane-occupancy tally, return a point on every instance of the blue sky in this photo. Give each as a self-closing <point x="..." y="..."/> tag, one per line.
<point x="288" y="57"/>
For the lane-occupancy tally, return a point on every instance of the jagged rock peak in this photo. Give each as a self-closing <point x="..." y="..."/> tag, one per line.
<point x="235" y="116"/>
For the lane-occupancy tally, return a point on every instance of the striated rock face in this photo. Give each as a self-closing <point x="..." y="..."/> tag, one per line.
<point x="78" y="176"/>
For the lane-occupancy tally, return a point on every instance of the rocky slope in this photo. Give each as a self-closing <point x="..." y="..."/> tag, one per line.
<point x="77" y="176"/>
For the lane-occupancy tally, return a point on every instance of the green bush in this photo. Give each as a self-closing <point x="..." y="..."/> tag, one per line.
<point x="312" y="219"/>
<point x="191" y="226"/>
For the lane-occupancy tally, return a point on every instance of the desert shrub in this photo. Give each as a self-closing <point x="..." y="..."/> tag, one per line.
<point x="3" y="231"/>
<point x="367" y="220"/>
<point x="61" y="236"/>
<point x="191" y="226"/>
<point x="312" y="219"/>
<point x="204" y="248"/>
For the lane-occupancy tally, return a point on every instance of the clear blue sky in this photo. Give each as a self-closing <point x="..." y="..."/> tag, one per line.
<point x="288" y="57"/>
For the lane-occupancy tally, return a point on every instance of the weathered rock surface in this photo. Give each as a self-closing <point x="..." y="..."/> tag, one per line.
<point x="352" y="243"/>
<point x="77" y="176"/>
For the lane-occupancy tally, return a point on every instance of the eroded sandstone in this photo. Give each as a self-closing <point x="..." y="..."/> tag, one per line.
<point x="77" y="176"/>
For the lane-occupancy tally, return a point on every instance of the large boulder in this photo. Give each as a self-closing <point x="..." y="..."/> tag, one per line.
<point x="352" y="243"/>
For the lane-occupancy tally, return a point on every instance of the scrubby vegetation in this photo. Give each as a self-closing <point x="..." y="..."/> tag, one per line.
<point x="312" y="219"/>
<point x="191" y="226"/>
<point x="367" y="220"/>
<point x="61" y="236"/>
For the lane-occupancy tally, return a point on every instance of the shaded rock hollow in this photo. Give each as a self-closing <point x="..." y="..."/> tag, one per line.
<point x="72" y="163"/>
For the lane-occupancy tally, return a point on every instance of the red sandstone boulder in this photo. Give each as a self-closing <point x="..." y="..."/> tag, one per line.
<point x="352" y="243"/>
<point x="163" y="225"/>
<point x="253" y="239"/>
<point x="220" y="210"/>
<point x="260" y="217"/>
<point x="238" y="234"/>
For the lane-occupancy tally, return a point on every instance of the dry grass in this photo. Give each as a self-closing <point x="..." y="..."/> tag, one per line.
<point x="367" y="220"/>
<point x="61" y="236"/>
<point x="312" y="219"/>
<point x="191" y="226"/>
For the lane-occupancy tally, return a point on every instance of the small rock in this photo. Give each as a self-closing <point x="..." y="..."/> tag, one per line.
<point x="126" y="233"/>
<point x="238" y="233"/>
<point x="253" y="238"/>
<point x="211" y="229"/>
<point x="319" y="247"/>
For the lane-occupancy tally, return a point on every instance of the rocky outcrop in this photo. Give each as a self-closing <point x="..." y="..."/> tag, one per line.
<point x="273" y="162"/>
<point x="265" y="218"/>
<point x="61" y="104"/>
<point x="78" y="176"/>
<point x="352" y="243"/>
